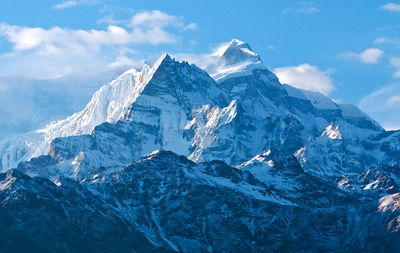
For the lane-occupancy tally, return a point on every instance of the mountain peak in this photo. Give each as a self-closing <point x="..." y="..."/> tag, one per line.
<point x="234" y="59"/>
<point x="236" y="51"/>
<point x="162" y="59"/>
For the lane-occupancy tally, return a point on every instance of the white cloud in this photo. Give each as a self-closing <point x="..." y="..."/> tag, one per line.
<point x="391" y="7"/>
<point x="153" y="18"/>
<point x="55" y="39"/>
<point x="306" y="76"/>
<point x="73" y="3"/>
<point x="368" y="56"/>
<point x="57" y="51"/>
<point x="371" y="55"/>
<point x="158" y="18"/>
<point x="383" y="105"/>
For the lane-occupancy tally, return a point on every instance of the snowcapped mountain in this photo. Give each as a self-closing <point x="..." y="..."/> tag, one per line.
<point x="179" y="107"/>
<point x="233" y="60"/>
<point x="29" y="104"/>
<point x="239" y="147"/>
<point x="35" y="103"/>
<point x="108" y="104"/>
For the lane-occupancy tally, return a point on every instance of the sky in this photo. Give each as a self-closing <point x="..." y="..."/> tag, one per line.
<point x="347" y="50"/>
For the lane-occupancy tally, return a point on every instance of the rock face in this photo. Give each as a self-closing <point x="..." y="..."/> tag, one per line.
<point x="251" y="165"/>
<point x="165" y="202"/>
<point x="38" y="215"/>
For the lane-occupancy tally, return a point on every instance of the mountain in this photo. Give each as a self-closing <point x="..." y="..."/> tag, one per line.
<point x="178" y="107"/>
<point x="165" y="202"/>
<point x="38" y="215"/>
<point x="28" y="104"/>
<point x="243" y="161"/>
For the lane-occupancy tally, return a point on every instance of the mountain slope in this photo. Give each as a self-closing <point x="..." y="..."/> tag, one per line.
<point x="40" y="216"/>
<point x="165" y="201"/>
<point x="251" y="165"/>
<point x="179" y="107"/>
<point x="28" y="104"/>
<point x="108" y="104"/>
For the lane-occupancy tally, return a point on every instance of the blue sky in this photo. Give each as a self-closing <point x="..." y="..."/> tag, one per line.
<point x="349" y="50"/>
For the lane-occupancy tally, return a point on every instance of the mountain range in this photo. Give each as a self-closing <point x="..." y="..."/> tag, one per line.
<point x="175" y="158"/>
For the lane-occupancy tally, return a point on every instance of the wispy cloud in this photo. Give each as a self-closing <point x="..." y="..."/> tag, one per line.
<point x="395" y="63"/>
<point x="74" y="3"/>
<point x="392" y="7"/>
<point x="392" y="46"/>
<point x="389" y="41"/>
<point x="383" y="105"/>
<point x="307" y="8"/>
<point x="306" y="76"/>
<point x="368" y="56"/>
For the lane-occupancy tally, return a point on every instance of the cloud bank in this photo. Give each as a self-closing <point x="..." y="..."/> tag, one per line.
<point x="306" y="76"/>
<point x="47" y="53"/>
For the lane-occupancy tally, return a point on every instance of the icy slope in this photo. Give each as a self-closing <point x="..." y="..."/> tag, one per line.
<point x="28" y="104"/>
<point x="108" y="104"/>
<point x="179" y="107"/>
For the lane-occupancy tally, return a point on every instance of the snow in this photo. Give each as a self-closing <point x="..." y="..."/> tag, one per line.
<point x="206" y="122"/>
<point x="259" y="158"/>
<point x="300" y="156"/>
<point x="245" y="188"/>
<point x="351" y="111"/>
<point x="317" y="99"/>
<point x="237" y="70"/>
<point x="389" y="203"/>
<point x="261" y="167"/>
<point x="332" y="132"/>
<point x="179" y="107"/>
<point x="109" y="104"/>
<point x="234" y="59"/>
